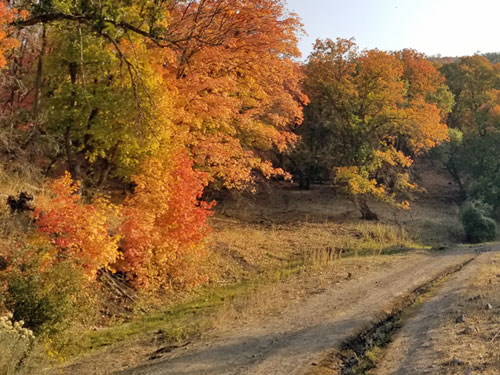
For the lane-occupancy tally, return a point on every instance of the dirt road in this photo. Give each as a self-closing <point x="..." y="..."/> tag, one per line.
<point x="296" y="339"/>
<point x="418" y="348"/>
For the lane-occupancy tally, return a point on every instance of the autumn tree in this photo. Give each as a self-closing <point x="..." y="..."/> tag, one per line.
<point x="376" y="111"/>
<point x="471" y="80"/>
<point x="163" y="97"/>
<point x="117" y="77"/>
<point x="78" y="231"/>
<point x="237" y="97"/>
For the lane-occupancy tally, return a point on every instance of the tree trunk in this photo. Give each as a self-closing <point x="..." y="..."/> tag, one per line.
<point x="452" y="170"/>
<point x="366" y="212"/>
<point x="38" y="79"/>
<point x="305" y="182"/>
<point x="73" y="164"/>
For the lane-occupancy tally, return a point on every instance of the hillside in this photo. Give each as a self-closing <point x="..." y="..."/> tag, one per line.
<point x="183" y="190"/>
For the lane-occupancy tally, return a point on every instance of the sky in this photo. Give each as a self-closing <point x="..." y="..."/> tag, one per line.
<point x="446" y="27"/>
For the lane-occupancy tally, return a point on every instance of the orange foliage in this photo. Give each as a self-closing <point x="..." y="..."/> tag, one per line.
<point x="77" y="230"/>
<point x="420" y="74"/>
<point x="377" y="106"/>
<point x="7" y="15"/>
<point x="425" y="128"/>
<point x="236" y="95"/>
<point x="210" y="71"/>
<point x="165" y="224"/>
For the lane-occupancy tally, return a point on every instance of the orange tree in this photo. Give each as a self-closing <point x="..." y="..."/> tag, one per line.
<point x="376" y="111"/>
<point x="236" y="96"/>
<point x="115" y="80"/>
<point x="151" y="92"/>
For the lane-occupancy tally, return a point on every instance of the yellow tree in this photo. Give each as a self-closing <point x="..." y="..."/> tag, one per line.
<point x="226" y="68"/>
<point x="379" y="112"/>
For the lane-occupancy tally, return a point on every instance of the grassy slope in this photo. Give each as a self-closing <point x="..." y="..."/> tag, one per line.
<point x="261" y="241"/>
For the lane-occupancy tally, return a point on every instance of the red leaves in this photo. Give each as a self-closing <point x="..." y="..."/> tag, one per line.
<point x="79" y="231"/>
<point x="7" y="15"/>
<point x="165" y="224"/>
<point x="162" y="225"/>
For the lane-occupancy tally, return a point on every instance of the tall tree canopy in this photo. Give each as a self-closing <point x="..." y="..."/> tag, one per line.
<point x="113" y="83"/>
<point x="169" y="95"/>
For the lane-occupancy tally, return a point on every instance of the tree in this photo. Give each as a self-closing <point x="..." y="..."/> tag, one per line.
<point x="471" y="80"/>
<point x="379" y="111"/>
<point x="470" y="156"/>
<point x="164" y="97"/>
<point x="123" y="80"/>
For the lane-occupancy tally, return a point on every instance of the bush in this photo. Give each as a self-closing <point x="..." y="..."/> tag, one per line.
<point x="78" y="231"/>
<point x="18" y="351"/>
<point x="47" y="296"/>
<point x="477" y="225"/>
<point x="165" y="225"/>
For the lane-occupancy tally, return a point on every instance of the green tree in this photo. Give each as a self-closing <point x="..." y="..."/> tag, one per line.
<point x="471" y="154"/>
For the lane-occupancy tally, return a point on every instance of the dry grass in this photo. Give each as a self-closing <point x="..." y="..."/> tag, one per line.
<point x="12" y="183"/>
<point x="478" y="349"/>
<point x="257" y="234"/>
<point x="283" y="243"/>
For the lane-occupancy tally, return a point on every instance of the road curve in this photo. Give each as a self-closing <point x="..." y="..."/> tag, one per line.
<point x="300" y="335"/>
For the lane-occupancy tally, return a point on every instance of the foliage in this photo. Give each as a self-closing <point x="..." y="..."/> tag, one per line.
<point x="448" y="153"/>
<point x="7" y="16"/>
<point x="479" y="161"/>
<point x="17" y="346"/>
<point x="110" y="83"/>
<point x="372" y="112"/>
<point x="101" y="117"/>
<point x="45" y="294"/>
<point x="78" y="231"/>
<point x="239" y="98"/>
<point x="477" y="225"/>
<point x="472" y="153"/>
<point x="473" y="80"/>
<point x="165" y="224"/>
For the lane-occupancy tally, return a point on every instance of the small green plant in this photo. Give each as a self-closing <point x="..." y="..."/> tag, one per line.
<point x="477" y="225"/>
<point x="46" y="296"/>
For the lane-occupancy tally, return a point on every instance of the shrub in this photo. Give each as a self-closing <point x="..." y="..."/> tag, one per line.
<point x="477" y="225"/>
<point x="18" y="351"/>
<point x="79" y="231"/>
<point x="164" y="224"/>
<point x="45" y="294"/>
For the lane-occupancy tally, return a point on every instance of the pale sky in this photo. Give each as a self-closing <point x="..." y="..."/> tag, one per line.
<point x="447" y="27"/>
